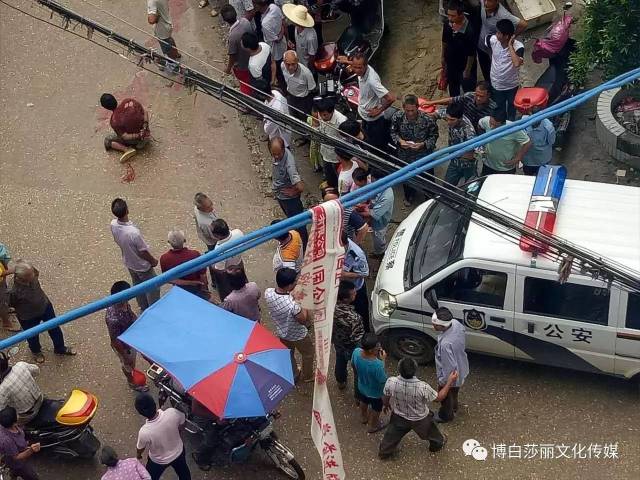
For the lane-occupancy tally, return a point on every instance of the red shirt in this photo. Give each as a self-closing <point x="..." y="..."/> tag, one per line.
<point x="173" y="258"/>
<point x="128" y="117"/>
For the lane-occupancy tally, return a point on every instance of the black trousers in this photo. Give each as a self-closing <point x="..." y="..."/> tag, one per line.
<point x="361" y="305"/>
<point x="398" y="427"/>
<point x="457" y="81"/>
<point x="504" y="100"/>
<point x="531" y="170"/>
<point x="55" y="333"/>
<point x="484" y="59"/>
<point x="301" y="106"/>
<point x="343" y="357"/>
<point x="179" y="466"/>
<point x="376" y="133"/>
<point x="490" y="171"/>
<point x="449" y="405"/>
<point x="291" y="207"/>
<point x="409" y="191"/>
<point x="330" y="174"/>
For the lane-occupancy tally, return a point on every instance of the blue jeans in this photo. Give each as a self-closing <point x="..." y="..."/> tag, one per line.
<point x="504" y="100"/>
<point x="54" y="333"/>
<point x="167" y="45"/>
<point x="460" y="169"/>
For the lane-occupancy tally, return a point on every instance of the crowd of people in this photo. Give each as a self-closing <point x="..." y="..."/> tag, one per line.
<point x="271" y="51"/>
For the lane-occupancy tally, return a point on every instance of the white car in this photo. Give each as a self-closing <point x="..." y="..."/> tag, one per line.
<point x="509" y="300"/>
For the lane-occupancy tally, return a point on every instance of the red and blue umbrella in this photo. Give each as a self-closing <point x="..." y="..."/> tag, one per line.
<point x="233" y="366"/>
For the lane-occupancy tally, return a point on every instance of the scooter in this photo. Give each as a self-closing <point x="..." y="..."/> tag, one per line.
<point x="553" y="86"/>
<point x="63" y="428"/>
<point x="225" y="441"/>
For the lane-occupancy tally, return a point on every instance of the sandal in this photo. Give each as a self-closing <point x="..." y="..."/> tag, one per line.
<point x="39" y="357"/>
<point x="67" y="351"/>
<point x="203" y="3"/>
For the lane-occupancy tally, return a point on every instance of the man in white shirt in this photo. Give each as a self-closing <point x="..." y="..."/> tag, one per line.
<point x="160" y="436"/>
<point x="407" y="397"/>
<point x="331" y="119"/>
<point x="491" y="12"/>
<point x="158" y="16"/>
<point x="274" y="32"/>
<point x="277" y="101"/>
<point x="261" y="64"/>
<point x="290" y="321"/>
<point x="507" y="56"/>
<point x="204" y="214"/>
<point x="374" y="99"/>
<point x="221" y="270"/>
<point x="300" y="88"/>
<point x="135" y="251"/>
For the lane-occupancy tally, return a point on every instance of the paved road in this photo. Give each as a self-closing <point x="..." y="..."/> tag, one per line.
<point x="57" y="184"/>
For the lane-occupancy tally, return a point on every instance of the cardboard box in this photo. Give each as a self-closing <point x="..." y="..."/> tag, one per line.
<point x="535" y="12"/>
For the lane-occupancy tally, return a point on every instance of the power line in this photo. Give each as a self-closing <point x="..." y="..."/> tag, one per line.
<point x="588" y="261"/>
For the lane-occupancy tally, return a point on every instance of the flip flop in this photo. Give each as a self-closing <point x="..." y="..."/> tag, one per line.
<point x="203" y="3"/>
<point x="39" y="357"/>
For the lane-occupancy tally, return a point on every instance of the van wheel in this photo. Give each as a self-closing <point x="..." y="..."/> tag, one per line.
<point x="409" y="343"/>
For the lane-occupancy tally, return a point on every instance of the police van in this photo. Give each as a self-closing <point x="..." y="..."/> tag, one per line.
<point x="505" y="291"/>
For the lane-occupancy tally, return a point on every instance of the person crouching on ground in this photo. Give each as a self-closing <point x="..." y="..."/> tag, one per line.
<point x="130" y="123"/>
<point x="368" y="365"/>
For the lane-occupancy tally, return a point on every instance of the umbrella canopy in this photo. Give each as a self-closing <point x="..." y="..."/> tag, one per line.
<point x="233" y="366"/>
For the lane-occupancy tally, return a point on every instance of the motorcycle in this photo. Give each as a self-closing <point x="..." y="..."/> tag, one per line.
<point x="553" y="86"/>
<point x="63" y="426"/>
<point x="225" y="441"/>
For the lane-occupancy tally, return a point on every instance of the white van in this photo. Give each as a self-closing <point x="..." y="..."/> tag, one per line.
<point x="511" y="302"/>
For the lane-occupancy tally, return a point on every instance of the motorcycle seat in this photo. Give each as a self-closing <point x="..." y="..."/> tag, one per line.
<point x="349" y="41"/>
<point x="46" y="416"/>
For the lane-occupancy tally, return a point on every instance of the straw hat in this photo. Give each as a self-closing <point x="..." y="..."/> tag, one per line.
<point x="298" y="14"/>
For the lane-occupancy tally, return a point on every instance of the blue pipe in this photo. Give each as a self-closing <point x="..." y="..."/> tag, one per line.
<point x="264" y="234"/>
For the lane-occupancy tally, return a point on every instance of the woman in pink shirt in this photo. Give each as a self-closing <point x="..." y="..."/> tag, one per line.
<point x="127" y="469"/>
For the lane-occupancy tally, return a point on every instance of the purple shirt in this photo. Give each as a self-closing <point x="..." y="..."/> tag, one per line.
<point x="118" y="319"/>
<point x="131" y="243"/>
<point x="11" y="444"/>
<point x="244" y="302"/>
<point x="127" y="469"/>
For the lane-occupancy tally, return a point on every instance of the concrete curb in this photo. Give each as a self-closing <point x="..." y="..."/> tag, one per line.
<point x="619" y="142"/>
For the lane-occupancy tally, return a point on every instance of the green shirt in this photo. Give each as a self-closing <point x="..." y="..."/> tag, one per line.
<point x="502" y="150"/>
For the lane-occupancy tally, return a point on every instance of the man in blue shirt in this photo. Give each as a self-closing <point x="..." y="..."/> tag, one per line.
<point x="379" y="214"/>
<point x="356" y="270"/>
<point x="450" y="357"/>
<point x="368" y="363"/>
<point x="543" y="136"/>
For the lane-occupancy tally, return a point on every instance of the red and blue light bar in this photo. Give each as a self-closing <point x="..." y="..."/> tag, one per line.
<point x="543" y="205"/>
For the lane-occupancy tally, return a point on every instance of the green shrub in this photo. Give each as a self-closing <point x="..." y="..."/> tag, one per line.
<point x="609" y="40"/>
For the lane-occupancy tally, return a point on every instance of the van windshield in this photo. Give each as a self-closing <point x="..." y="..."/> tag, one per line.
<point x="438" y="239"/>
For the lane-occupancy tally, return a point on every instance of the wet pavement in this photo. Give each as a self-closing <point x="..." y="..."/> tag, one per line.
<point x="57" y="186"/>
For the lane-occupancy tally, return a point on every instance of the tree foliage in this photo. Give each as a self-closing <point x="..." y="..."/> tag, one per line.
<point x="610" y="39"/>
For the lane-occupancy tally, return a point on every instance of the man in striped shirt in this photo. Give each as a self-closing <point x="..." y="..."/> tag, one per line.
<point x="290" y="322"/>
<point x="475" y="105"/>
<point x="407" y="398"/>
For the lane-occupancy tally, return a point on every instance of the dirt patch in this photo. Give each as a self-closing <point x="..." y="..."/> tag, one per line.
<point x="409" y="59"/>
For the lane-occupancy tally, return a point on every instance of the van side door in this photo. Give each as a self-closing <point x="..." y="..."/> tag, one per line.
<point x="570" y="325"/>
<point x="480" y="295"/>
<point x="627" y="361"/>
